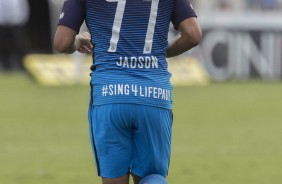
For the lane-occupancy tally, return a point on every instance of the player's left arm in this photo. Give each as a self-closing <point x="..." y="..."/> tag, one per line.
<point x="185" y="21"/>
<point x="64" y="41"/>
<point x="67" y="39"/>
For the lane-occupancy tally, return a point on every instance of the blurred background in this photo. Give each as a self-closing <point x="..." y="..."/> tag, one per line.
<point x="227" y="98"/>
<point x="242" y="39"/>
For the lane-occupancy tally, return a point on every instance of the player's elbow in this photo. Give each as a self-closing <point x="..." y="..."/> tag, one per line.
<point x="63" y="46"/>
<point x="195" y="37"/>
<point x="191" y="32"/>
<point x="59" y="47"/>
<point x="64" y="40"/>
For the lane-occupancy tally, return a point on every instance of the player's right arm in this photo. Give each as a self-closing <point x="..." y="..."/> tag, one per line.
<point x="185" y="21"/>
<point x="67" y="39"/>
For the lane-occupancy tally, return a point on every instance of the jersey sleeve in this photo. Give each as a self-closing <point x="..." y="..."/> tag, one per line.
<point x="73" y="14"/>
<point x="183" y="9"/>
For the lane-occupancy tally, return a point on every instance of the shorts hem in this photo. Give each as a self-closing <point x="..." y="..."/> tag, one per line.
<point x="143" y="175"/>
<point x="112" y="176"/>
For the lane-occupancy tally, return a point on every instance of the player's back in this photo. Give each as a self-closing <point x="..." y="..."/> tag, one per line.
<point x="130" y="38"/>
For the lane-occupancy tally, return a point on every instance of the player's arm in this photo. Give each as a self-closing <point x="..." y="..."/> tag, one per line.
<point x="64" y="41"/>
<point x="67" y="41"/>
<point x="185" y="21"/>
<point x="189" y="37"/>
<point x="66" y="38"/>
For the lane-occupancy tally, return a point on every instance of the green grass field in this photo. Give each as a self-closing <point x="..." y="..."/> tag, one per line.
<point x="224" y="133"/>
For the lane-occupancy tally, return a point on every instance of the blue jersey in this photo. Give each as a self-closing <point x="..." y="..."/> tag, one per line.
<point x="130" y="42"/>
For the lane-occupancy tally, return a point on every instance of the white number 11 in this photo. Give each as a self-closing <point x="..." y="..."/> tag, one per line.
<point x="118" y="20"/>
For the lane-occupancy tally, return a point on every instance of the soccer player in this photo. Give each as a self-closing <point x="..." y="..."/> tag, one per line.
<point x="130" y="111"/>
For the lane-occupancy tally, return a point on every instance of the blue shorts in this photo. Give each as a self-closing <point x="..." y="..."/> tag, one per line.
<point x="130" y="138"/>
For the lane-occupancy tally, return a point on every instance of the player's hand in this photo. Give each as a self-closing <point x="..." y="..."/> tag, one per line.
<point x="83" y="43"/>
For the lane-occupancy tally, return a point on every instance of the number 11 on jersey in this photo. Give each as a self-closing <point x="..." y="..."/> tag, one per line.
<point x="118" y="21"/>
